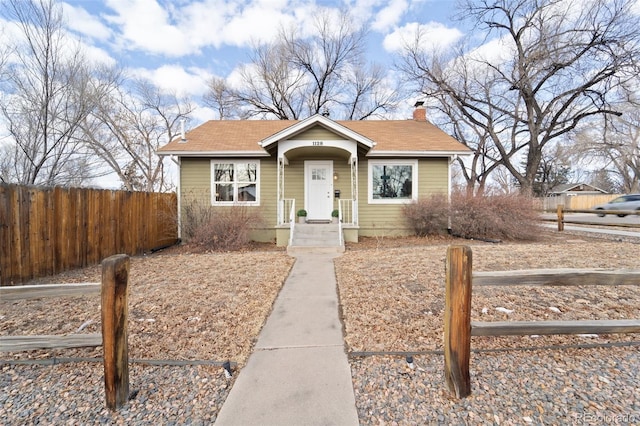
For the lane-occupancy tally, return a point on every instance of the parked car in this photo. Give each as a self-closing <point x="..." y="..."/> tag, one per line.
<point x="625" y="202"/>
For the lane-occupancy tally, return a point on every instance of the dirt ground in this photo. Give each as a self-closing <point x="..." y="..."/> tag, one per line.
<point x="185" y="305"/>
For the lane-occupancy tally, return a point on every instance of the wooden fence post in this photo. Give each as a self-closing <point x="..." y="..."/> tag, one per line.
<point x="457" y="320"/>
<point x="560" y="217"/>
<point x="115" y="279"/>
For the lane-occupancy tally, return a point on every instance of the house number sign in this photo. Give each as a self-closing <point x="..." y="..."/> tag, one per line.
<point x="316" y="143"/>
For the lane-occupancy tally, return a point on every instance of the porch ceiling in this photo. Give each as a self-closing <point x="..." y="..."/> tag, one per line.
<point x="317" y="152"/>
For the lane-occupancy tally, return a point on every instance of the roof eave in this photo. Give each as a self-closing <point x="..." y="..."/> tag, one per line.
<point x="310" y="121"/>
<point x="376" y="153"/>
<point x="229" y="154"/>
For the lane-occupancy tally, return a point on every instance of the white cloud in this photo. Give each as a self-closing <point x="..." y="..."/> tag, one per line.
<point x="390" y="15"/>
<point x="81" y="21"/>
<point x="433" y="36"/>
<point x="175" y="78"/>
<point x="173" y="31"/>
<point x="256" y="22"/>
<point x="146" y="25"/>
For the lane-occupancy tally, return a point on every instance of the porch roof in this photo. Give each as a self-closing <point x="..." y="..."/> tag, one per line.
<point x="246" y="137"/>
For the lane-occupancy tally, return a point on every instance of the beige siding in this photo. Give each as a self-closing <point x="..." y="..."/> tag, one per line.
<point x="268" y="191"/>
<point x="294" y="182"/>
<point x="388" y="219"/>
<point x="317" y="133"/>
<point x="343" y="183"/>
<point x="195" y="180"/>
<point x="195" y="184"/>
<point x="374" y="219"/>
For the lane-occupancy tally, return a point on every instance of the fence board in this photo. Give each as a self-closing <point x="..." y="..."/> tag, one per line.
<point x="27" y="343"/>
<point x="525" y="328"/>
<point x="49" y="230"/>
<point x="578" y="201"/>
<point x="48" y="290"/>
<point x="558" y="277"/>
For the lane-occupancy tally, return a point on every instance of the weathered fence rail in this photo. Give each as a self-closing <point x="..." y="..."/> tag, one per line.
<point x="560" y="212"/>
<point x="44" y="231"/>
<point x="458" y="327"/>
<point x="114" y="291"/>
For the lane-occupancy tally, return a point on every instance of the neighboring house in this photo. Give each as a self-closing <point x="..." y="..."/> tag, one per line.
<point x="575" y="196"/>
<point x="366" y="169"/>
<point x="575" y="189"/>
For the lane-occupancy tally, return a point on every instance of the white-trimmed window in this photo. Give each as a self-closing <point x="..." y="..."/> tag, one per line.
<point x="393" y="181"/>
<point x="235" y="182"/>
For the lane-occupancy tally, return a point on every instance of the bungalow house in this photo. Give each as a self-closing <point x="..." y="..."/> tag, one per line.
<point x="366" y="170"/>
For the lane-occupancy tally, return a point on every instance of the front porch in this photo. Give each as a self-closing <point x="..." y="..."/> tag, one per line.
<point x="294" y="231"/>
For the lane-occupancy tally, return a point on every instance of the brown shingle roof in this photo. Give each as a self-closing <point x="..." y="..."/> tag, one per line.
<point x="243" y="136"/>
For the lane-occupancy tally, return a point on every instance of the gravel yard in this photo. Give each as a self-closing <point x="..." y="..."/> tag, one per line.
<point x="393" y="300"/>
<point x="186" y="306"/>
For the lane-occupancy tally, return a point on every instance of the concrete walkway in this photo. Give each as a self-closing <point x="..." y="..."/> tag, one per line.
<point x="298" y="373"/>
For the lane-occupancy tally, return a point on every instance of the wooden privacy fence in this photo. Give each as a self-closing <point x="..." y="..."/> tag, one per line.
<point x="44" y="231"/>
<point x="458" y="327"/>
<point x="576" y="201"/>
<point x="114" y="315"/>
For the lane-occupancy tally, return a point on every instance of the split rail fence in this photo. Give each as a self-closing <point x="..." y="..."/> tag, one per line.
<point x="560" y="211"/>
<point x="458" y="327"/>
<point x="44" y="231"/>
<point x="114" y="317"/>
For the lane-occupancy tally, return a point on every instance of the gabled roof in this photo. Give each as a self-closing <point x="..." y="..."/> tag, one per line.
<point x="575" y="187"/>
<point x="251" y="137"/>
<point x="317" y="119"/>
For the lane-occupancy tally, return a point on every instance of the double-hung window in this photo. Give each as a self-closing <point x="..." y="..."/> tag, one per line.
<point x="235" y="182"/>
<point x="393" y="181"/>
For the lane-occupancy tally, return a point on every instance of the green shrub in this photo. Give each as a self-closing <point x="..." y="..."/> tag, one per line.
<point x="428" y="216"/>
<point x="504" y="217"/>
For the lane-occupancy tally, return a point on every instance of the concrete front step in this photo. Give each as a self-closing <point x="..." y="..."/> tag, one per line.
<point x="316" y="238"/>
<point x="296" y="250"/>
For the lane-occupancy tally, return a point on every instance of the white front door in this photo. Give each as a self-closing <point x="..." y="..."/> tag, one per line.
<point x="318" y="189"/>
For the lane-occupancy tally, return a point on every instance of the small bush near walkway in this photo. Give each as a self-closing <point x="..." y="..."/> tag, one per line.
<point x="220" y="229"/>
<point x="503" y="217"/>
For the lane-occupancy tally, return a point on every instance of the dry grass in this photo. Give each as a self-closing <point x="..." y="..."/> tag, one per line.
<point x="213" y="305"/>
<point x="181" y="306"/>
<point x="393" y="297"/>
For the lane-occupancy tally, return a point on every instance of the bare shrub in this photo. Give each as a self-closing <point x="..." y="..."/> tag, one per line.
<point x="505" y="217"/>
<point x="428" y="216"/>
<point x="221" y="229"/>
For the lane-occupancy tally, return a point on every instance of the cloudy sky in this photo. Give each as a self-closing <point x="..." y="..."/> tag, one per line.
<point x="180" y="44"/>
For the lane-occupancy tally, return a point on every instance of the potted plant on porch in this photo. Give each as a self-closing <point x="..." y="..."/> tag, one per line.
<point x="302" y="216"/>
<point x="334" y="216"/>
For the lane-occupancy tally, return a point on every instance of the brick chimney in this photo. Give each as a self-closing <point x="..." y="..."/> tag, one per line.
<point x="420" y="112"/>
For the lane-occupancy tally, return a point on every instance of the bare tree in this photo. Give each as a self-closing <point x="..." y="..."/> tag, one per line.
<point x="50" y="89"/>
<point x="219" y="96"/>
<point x="127" y="129"/>
<point x="367" y="92"/>
<point x="613" y="146"/>
<point x="297" y="76"/>
<point x="271" y="86"/>
<point x="554" y="63"/>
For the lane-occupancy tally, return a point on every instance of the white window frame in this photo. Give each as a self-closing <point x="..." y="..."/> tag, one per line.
<point x="235" y="183"/>
<point x="393" y="162"/>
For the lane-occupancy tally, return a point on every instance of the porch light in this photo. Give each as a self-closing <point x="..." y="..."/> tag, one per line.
<point x="335" y="175"/>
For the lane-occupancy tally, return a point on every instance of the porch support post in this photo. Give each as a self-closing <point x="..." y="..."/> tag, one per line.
<point x="280" y="190"/>
<point x="354" y="189"/>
